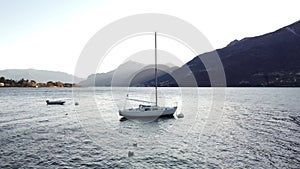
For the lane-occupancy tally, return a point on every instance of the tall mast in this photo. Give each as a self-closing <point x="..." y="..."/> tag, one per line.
<point x="155" y="71"/>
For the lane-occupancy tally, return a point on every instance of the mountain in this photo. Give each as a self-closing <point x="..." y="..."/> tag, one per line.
<point x="146" y="74"/>
<point x="41" y="76"/>
<point x="128" y="74"/>
<point x="123" y="72"/>
<point x="272" y="59"/>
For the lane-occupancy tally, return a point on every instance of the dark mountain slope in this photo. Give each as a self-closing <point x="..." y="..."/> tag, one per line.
<point x="272" y="59"/>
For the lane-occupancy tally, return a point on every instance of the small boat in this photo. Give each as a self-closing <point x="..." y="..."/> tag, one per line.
<point x="152" y="110"/>
<point x="56" y="102"/>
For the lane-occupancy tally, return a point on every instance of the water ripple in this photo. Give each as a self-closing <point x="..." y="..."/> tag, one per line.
<point x="259" y="129"/>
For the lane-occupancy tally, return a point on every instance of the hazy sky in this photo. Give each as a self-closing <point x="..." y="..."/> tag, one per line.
<point x="50" y="34"/>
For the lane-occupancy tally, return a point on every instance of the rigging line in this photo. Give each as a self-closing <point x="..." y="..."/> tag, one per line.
<point x="155" y="70"/>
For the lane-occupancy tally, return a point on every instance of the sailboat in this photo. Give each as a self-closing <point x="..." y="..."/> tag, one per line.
<point x="152" y="110"/>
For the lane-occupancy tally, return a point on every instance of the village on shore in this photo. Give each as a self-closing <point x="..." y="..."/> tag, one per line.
<point x="31" y="83"/>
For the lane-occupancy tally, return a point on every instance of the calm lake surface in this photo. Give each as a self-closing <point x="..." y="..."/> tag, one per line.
<point x="221" y="128"/>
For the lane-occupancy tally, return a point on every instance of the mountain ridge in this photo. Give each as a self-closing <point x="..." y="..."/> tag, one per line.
<point x="38" y="75"/>
<point x="130" y="73"/>
<point x="271" y="59"/>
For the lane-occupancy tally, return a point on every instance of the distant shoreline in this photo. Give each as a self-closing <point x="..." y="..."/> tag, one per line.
<point x="77" y="86"/>
<point x="25" y="83"/>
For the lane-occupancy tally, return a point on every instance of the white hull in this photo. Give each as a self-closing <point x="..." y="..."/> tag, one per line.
<point x="150" y="111"/>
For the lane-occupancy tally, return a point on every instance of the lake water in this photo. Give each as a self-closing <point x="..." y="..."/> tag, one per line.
<point x="221" y="128"/>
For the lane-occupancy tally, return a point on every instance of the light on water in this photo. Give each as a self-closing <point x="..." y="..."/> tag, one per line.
<point x="258" y="128"/>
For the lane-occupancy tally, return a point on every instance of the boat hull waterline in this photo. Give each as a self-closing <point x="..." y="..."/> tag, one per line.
<point x="148" y="111"/>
